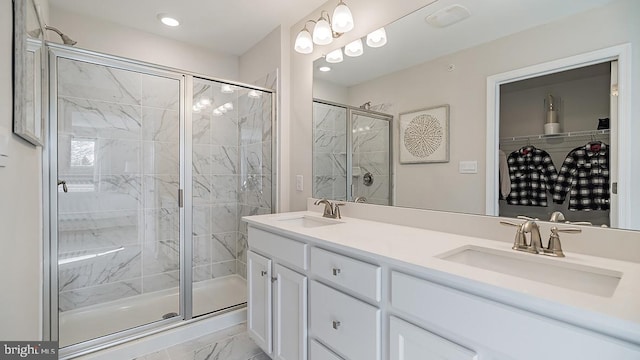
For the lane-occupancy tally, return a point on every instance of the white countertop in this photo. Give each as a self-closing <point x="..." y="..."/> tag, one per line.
<point x="417" y="249"/>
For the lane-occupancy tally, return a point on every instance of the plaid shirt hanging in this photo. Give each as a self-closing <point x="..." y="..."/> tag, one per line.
<point x="585" y="176"/>
<point x="532" y="173"/>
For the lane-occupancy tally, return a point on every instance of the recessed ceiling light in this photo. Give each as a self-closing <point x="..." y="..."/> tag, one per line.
<point x="168" y="20"/>
<point x="324" y="68"/>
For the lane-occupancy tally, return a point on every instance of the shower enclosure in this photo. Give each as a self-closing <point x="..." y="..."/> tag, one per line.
<point x="351" y="153"/>
<point x="150" y="170"/>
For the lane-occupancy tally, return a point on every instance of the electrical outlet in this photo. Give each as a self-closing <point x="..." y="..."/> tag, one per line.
<point x="299" y="183"/>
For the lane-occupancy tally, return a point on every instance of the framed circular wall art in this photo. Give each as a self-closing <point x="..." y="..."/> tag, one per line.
<point x="424" y="135"/>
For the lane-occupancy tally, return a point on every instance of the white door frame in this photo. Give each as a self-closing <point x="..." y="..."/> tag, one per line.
<point x="622" y="133"/>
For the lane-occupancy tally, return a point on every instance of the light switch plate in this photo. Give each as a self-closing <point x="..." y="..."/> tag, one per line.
<point x="299" y="183"/>
<point x="468" y="167"/>
<point x="4" y="147"/>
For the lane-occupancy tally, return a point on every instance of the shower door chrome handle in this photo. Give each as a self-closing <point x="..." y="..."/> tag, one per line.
<point x="64" y="185"/>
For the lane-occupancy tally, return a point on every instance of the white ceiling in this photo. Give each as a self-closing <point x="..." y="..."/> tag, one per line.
<point x="412" y="41"/>
<point x="226" y="26"/>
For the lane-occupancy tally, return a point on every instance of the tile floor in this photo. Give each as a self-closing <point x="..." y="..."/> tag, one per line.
<point x="229" y="344"/>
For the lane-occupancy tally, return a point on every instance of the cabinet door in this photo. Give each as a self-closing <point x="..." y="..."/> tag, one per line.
<point x="409" y="342"/>
<point x="259" y="317"/>
<point x="290" y="330"/>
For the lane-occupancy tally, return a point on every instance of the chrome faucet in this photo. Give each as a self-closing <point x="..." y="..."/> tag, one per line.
<point x="331" y="210"/>
<point x="520" y="242"/>
<point x="360" y="199"/>
<point x="534" y="246"/>
<point x="556" y="216"/>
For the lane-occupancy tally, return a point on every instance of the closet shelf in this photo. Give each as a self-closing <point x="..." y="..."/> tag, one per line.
<point x="556" y="136"/>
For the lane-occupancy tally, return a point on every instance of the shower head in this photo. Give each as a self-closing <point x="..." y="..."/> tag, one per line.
<point x="65" y="39"/>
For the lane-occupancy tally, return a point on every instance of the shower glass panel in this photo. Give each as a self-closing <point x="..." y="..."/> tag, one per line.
<point x="232" y="177"/>
<point x="370" y="158"/>
<point x="329" y="151"/>
<point x="351" y="154"/>
<point x="118" y="134"/>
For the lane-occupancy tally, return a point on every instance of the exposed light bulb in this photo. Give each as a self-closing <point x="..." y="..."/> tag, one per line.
<point x="377" y="38"/>
<point x="222" y="109"/>
<point x="226" y="89"/>
<point x="322" y="34"/>
<point x="304" y="43"/>
<point x="217" y="112"/>
<point x="324" y="68"/>
<point x="196" y="108"/>
<point x="204" y="102"/>
<point x="254" y="94"/>
<point x="354" y="48"/>
<point x="342" y="19"/>
<point x="228" y="106"/>
<point x="334" y="57"/>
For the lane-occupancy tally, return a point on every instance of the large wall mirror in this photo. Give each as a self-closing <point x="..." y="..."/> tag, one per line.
<point x="27" y="71"/>
<point x="436" y="56"/>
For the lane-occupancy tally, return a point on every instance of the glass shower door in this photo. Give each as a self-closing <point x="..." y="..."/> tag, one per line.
<point x="119" y="220"/>
<point x="371" y="172"/>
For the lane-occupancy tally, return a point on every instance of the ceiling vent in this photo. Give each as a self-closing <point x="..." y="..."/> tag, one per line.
<point x="448" y="16"/>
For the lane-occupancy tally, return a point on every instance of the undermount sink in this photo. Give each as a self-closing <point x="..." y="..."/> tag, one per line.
<point x="557" y="272"/>
<point x="306" y="221"/>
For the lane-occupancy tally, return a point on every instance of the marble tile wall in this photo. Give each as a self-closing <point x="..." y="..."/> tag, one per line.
<point x="232" y="174"/>
<point x="216" y="176"/>
<point x="256" y="159"/>
<point x="119" y="154"/>
<point x="371" y="155"/>
<point x="329" y="151"/>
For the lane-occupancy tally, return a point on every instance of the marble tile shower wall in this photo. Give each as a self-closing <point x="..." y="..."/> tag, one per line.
<point x="232" y="176"/>
<point x="329" y="151"/>
<point x="216" y="178"/>
<point x="119" y="153"/>
<point x="371" y="155"/>
<point x="256" y="186"/>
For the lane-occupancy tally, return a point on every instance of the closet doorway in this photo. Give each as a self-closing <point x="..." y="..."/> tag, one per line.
<point x="554" y="134"/>
<point x="555" y="145"/>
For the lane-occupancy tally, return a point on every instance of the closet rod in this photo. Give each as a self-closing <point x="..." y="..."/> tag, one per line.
<point x="555" y="136"/>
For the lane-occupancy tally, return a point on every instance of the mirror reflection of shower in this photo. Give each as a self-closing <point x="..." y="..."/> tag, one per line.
<point x="65" y="38"/>
<point x="351" y="148"/>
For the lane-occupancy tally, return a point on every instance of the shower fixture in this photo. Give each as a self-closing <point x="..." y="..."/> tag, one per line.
<point x="65" y="39"/>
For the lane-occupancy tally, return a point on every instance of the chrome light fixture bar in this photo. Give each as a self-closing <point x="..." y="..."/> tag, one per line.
<point x="324" y="30"/>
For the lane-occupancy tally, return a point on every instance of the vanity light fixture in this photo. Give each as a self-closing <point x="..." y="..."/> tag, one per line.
<point x="334" y="57"/>
<point x="168" y="20"/>
<point x="354" y="48"/>
<point x="377" y="38"/>
<point x="324" y="30"/>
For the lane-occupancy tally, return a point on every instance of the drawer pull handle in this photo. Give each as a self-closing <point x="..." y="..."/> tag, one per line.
<point x="336" y="324"/>
<point x="263" y="273"/>
<point x="336" y="271"/>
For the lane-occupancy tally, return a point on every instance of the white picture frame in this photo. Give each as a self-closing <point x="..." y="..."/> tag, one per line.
<point x="424" y="135"/>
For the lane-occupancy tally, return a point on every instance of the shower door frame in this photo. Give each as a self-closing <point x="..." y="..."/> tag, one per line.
<point x="349" y="143"/>
<point x="50" y="313"/>
<point x="50" y="153"/>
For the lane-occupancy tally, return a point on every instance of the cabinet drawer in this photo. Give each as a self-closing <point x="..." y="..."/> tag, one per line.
<point x="486" y="324"/>
<point x="409" y="342"/>
<point x="355" y="275"/>
<point x="349" y="326"/>
<point x="290" y="251"/>
<point x="319" y="352"/>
